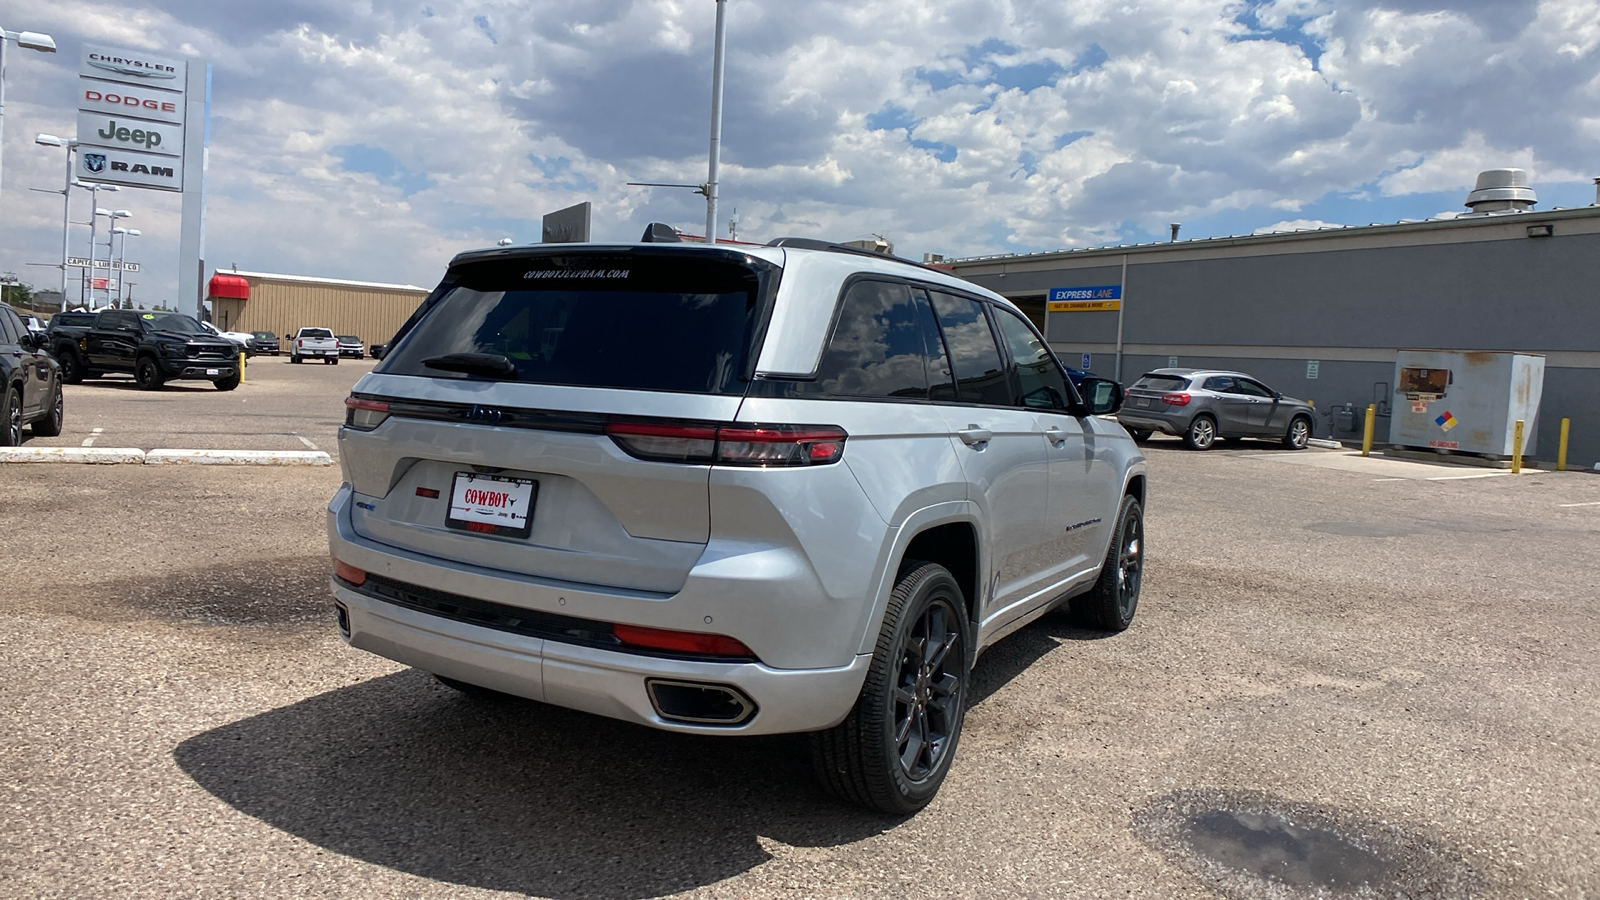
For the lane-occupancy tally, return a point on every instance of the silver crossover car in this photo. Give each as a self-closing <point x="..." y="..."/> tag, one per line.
<point x="1202" y="405"/>
<point x="791" y="488"/>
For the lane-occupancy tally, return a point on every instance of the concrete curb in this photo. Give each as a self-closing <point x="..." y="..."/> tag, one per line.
<point x="238" y="458"/>
<point x="105" y="456"/>
<point x="1325" y="444"/>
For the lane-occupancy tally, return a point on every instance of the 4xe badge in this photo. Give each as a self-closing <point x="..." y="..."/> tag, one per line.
<point x="94" y="162"/>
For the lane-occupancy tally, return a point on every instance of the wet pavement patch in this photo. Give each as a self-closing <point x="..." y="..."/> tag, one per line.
<point x="275" y="592"/>
<point x="1252" y="845"/>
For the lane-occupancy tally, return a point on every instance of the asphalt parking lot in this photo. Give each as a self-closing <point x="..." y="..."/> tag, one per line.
<point x="1330" y="652"/>
<point x="278" y="407"/>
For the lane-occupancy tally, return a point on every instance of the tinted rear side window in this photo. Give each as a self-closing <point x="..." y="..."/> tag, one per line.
<point x="980" y="375"/>
<point x="681" y="323"/>
<point x="10" y="333"/>
<point x="1153" y="382"/>
<point x="877" y="348"/>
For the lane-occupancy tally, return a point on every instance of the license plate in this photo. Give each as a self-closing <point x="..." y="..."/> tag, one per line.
<point x="490" y="504"/>
<point x="1142" y="401"/>
<point x="212" y="371"/>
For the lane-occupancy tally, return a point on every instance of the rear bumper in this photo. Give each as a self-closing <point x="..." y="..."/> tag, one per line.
<point x="1149" y="422"/>
<point x="602" y="681"/>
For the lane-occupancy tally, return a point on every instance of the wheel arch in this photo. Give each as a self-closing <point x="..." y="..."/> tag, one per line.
<point x="953" y="545"/>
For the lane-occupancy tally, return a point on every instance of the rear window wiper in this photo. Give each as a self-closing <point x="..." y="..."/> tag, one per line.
<point x="491" y="364"/>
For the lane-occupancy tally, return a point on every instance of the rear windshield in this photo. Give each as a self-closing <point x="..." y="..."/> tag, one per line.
<point x="315" y="333"/>
<point x="677" y="322"/>
<point x="1154" y="382"/>
<point x="72" y="319"/>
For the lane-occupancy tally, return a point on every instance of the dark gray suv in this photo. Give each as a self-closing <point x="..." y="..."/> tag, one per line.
<point x="790" y="488"/>
<point x="1202" y="405"/>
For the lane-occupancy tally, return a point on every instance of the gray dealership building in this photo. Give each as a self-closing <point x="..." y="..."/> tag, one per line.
<point x="1321" y="314"/>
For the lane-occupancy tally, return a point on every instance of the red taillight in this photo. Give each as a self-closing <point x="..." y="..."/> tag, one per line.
<point x="733" y="445"/>
<point x="680" y="641"/>
<point x="349" y="574"/>
<point x="1175" y="399"/>
<point x="430" y="493"/>
<point x="665" y="443"/>
<point x="363" y="414"/>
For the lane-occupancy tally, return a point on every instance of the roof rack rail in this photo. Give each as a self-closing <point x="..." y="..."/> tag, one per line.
<point x="801" y="243"/>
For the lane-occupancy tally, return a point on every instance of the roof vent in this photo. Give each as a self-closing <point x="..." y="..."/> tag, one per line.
<point x="1502" y="190"/>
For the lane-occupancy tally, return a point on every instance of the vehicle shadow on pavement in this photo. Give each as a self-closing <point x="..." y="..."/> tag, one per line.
<point x="514" y="795"/>
<point x="1014" y="654"/>
<point x="195" y="388"/>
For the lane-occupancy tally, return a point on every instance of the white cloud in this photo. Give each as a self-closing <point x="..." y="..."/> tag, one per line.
<point x="374" y="140"/>
<point x="1295" y="225"/>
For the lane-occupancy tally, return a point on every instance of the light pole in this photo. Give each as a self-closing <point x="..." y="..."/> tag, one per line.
<point x="50" y="140"/>
<point x="87" y="286"/>
<point x="122" y="258"/>
<point x="716" y="122"/>
<point x="94" y="234"/>
<point x="31" y="40"/>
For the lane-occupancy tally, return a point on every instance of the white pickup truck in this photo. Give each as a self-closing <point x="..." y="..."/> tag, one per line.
<point x="313" y="343"/>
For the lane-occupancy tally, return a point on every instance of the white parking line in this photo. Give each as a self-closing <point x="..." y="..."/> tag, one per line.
<point x="307" y="441"/>
<point x="1465" y="477"/>
<point x="1571" y="505"/>
<point x="1390" y="479"/>
<point x="89" y="441"/>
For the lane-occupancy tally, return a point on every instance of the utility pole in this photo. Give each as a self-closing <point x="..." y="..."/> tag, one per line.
<point x="716" y="121"/>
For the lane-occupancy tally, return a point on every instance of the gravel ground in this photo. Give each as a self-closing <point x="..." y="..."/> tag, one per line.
<point x="1336" y="672"/>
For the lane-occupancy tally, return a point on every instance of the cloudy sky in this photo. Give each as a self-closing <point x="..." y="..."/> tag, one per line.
<point x="372" y="139"/>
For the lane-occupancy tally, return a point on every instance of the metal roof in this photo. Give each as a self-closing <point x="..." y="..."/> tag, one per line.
<point x="1465" y="220"/>
<point x="332" y="282"/>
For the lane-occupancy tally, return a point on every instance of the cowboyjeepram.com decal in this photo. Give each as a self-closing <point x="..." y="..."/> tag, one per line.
<point x="576" y="273"/>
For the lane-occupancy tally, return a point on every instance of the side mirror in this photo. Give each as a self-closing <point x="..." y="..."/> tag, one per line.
<point x="1101" y="396"/>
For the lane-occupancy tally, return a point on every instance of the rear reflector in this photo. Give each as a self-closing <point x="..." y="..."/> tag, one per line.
<point x="364" y="415"/>
<point x="680" y="641"/>
<point x="731" y="445"/>
<point x="430" y="493"/>
<point x="349" y="574"/>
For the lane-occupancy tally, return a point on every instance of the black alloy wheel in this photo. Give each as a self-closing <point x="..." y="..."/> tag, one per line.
<point x="71" y="367"/>
<point x="894" y="749"/>
<point x="147" y="375"/>
<point x="928" y="694"/>
<point x="1111" y="604"/>
<point x="11" y="414"/>
<point x="50" y="425"/>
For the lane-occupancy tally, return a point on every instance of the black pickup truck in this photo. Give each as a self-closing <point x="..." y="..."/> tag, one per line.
<point x="62" y="336"/>
<point x="156" y="347"/>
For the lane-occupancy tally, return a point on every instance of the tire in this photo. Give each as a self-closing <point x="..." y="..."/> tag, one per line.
<point x="1298" y="437"/>
<point x="294" y="359"/>
<point x="911" y="691"/>
<point x="227" y="384"/>
<point x="1111" y="604"/>
<point x="334" y="360"/>
<point x="476" y="692"/>
<point x="11" y="418"/>
<point x="148" y="375"/>
<point x="72" y="371"/>
<point x="1201" y="433"/>
<point x="50" y="425"/>
<point x="1140" y="434"/>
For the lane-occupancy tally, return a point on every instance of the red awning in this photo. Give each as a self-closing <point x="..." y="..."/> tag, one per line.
<point x="229" y="287"/>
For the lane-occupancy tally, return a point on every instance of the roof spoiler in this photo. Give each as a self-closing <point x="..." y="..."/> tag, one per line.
<point x="660" y="233"/>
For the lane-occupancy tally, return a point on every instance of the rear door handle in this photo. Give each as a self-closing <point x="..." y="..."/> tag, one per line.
<point x="974" y="435"/>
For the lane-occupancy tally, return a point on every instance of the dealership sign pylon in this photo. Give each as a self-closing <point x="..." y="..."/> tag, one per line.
<point x="143" y="122"/>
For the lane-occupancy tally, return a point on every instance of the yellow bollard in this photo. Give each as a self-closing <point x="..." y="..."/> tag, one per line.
<point x="1366" y="432"/>
<point x="1516" y="450"/>
<point x="241" y="365"/>
<point x="1561" y="450"/>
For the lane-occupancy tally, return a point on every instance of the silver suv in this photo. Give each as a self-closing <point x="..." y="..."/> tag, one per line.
<point x="792" y="488"/>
